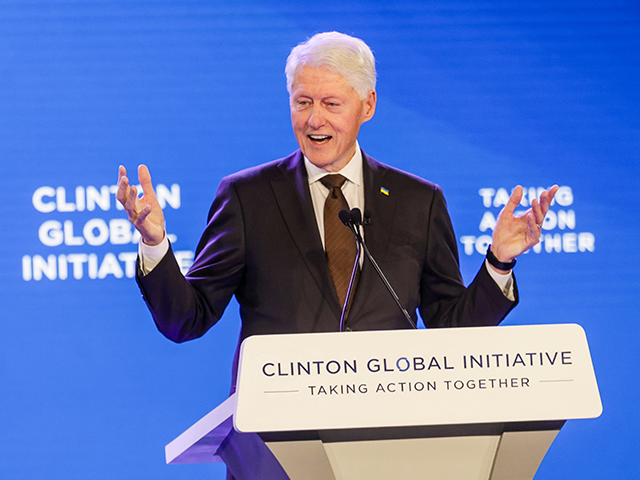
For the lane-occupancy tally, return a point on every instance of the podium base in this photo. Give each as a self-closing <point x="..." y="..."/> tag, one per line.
<point x="493" y="452"/>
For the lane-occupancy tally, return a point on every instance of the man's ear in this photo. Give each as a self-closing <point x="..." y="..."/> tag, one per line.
<point x="369" y="106"/>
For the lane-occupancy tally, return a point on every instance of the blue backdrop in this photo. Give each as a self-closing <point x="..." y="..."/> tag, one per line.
<point x="477" y="96"/>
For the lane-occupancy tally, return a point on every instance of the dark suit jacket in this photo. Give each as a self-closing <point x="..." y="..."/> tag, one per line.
<point x="262" y="244"/>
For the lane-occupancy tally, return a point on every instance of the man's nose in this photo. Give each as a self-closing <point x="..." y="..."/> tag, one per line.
<point x="317" y="118"/>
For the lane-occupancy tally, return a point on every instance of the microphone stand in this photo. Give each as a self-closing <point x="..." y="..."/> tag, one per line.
<point x="352" y="220"/>
<point x="354" y="273"/>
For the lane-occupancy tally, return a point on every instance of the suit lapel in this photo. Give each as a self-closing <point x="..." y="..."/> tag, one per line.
<point x="377" y="234"/>
<point x="294" y="200"/>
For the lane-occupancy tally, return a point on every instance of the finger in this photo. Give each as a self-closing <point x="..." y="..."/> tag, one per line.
<point x="545" y="202"/>
<point x="122" y="172"/>
<point x="130" y="203"/>
<point x="547" y="197"/>
<point x="535" y="230"/>
<point x="123" y="185"/>
<point x="145" y="181"/>
<point x="537" y="213"/>
<point x="514" y="200"/>
<point x="532" y="222"/>
<point x="143" y="214"/>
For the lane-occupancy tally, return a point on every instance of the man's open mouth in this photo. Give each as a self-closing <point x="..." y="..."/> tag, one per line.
<point x="319" y="139"/>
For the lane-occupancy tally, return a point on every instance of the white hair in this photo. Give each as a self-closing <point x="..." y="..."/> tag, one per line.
<point x="342" y="54"/>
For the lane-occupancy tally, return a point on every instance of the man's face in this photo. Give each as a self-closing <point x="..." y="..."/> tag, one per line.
<point x="326" y="114"/>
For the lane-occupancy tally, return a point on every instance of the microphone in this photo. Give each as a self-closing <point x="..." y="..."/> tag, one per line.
<point x="353" y="220"/>
<point x="347" y="219"/>
<point x="357" y="216"/>
<point x="367" y="217"/>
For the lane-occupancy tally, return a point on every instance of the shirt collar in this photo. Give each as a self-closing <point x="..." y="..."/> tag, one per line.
<point x="352" y="171"/>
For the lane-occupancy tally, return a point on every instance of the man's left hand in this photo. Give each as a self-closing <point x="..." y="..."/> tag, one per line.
<point x="513" y="234"/>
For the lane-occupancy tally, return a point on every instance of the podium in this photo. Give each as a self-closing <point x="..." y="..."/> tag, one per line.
<point x="479" y="403"/>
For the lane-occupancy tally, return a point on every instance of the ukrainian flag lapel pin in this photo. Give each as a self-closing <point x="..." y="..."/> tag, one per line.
<point x="384" y="191"/>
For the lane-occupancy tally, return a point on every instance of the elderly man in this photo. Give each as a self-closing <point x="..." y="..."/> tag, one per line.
<point x="271" y="241"/>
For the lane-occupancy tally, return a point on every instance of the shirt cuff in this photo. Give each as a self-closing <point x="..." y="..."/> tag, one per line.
<point x="151" y="255"/>
<point x="503" y="280"/>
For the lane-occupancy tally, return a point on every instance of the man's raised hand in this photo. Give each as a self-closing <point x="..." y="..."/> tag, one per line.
<point x="144" y="212"/>
<point x="514" y="235"/>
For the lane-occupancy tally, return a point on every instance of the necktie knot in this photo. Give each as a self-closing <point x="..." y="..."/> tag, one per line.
<point x="333" y="183"/>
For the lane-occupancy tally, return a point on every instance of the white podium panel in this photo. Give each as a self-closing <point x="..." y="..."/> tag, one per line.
<point x="415" y="377"/>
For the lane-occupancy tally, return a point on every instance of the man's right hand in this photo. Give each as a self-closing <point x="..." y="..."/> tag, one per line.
<point x="144" y="212"/>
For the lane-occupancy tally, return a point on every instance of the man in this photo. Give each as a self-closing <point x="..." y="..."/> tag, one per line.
<point x="269" y="243"/>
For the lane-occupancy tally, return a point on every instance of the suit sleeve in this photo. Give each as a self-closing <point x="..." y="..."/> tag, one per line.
<point x="445" y="302"/>
<point x="185" y="307"/>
